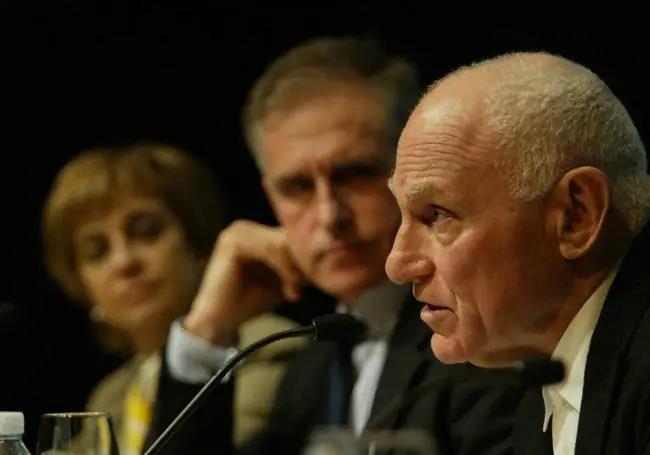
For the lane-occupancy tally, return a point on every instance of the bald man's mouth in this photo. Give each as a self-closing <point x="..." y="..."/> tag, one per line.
<point x="435" y="316"/>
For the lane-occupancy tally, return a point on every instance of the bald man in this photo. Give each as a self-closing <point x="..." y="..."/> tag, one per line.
<point x="523" y="188"/>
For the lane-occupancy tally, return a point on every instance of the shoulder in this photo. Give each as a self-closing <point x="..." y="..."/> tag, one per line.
<point x="108" y="394"/>
<point x="636" y="363"/>
<point x="267" y="324"/>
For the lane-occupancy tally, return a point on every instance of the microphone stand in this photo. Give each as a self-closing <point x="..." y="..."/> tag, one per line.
<point x="215" y="380"/>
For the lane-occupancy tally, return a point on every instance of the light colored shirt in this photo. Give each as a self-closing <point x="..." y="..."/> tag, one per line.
<point x="562" y="401"/>
<point x="379" y="308"/>
<point x="193" y="360"/>
<point x="138" y="407"/>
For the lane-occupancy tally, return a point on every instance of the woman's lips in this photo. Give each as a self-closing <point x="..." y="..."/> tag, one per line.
<point x="136" y="291"/>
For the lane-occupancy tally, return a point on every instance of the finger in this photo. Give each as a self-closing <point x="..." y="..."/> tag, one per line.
<point x="281" y="261"/>
<point x="268" y="245"/>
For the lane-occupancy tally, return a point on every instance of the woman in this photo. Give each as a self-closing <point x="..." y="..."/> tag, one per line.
<point x="128" y="231"/>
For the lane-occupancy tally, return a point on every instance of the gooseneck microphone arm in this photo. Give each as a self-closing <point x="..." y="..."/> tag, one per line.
<point x="330" y="327"/>
<point x="215" y="380"/>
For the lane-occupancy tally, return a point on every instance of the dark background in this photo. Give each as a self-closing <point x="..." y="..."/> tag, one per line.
<point x="79" y="74"/>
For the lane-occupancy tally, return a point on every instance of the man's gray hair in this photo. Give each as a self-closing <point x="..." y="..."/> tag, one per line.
<point x="551" y="115"/>
<point x="307" y="70"/>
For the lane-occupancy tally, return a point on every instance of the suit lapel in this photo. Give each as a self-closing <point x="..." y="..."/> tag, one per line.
<point x="528" y="436"/>
<point x="302" y="400"/>
<point x="618" y="320"/>
<point x="408" y="352"/>
<point x="319" y="384"/>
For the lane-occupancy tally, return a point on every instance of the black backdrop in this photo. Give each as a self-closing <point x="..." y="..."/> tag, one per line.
<point x="78" y="74"/>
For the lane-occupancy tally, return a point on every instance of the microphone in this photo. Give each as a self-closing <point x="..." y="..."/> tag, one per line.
<point x="325" y="328"/>
<point x="338" y="326"/>
<point x="533" y="372"/>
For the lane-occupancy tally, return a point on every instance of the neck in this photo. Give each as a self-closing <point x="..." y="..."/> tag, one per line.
<point x="542" y="335"/>
<point x="581" y="289"/>
<point x="350" y="298"/>
<point x="150" y="344"/>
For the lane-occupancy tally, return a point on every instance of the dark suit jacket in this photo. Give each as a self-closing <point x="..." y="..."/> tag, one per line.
<point x="464" y="419"/>
<point x="615" y="410"/>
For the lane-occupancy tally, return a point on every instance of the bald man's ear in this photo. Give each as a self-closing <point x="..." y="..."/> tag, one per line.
<point x="582" y="199"/>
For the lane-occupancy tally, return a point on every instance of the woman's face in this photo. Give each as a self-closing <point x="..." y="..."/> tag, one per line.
<point x="136" y="266"/>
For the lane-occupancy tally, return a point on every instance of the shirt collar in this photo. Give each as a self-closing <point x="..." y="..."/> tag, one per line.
<point x="572" y="350"/>
<point x="378" y="307"/>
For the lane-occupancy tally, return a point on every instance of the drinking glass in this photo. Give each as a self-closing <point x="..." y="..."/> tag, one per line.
<point x="76" y="433"/>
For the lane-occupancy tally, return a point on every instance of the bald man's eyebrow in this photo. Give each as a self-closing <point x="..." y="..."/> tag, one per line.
<point x="427" y="191"/>
<point x="422" y="190"/>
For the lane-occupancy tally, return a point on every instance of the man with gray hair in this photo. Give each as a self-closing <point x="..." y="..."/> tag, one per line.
<point x="523" y="188"/>
<point x="322" y="123"/>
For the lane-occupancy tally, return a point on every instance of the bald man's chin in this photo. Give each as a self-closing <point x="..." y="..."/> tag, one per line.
<point x="447" y="350"/>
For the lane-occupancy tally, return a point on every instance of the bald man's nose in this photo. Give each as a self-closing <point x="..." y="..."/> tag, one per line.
<point x="406" y="263"/>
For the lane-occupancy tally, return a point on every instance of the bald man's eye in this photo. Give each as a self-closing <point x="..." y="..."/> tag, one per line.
<point x="434" y="215"/>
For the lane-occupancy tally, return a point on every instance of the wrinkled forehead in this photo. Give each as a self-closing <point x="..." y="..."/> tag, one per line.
<point x="447" y="127"/>
<point x="444" y="146"/>
<point x="436" y="115"/>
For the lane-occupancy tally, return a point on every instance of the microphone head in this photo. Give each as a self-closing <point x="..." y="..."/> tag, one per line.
<point x="338" y="327"/>
<point x="540" y="371"/>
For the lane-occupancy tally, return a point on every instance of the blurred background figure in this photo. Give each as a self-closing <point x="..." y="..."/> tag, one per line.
<point x="127" y="231"/>
<point x="322" y="123"/>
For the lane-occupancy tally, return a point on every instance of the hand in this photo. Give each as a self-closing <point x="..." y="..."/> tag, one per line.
<point x="250" y="271"/>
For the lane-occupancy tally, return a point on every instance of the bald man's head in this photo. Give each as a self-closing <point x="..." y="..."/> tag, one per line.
<point x="547" y="115"/>
<point x="520" y="181"/>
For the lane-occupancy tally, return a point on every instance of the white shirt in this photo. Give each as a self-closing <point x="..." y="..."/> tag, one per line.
<point x="379" y="309"/>
<point x="562" y="401"/>
<point x="193" y="360"/>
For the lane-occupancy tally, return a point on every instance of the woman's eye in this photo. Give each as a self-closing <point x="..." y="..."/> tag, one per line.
<point x="146" y="227"/>
<point x="92" y="250"/>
